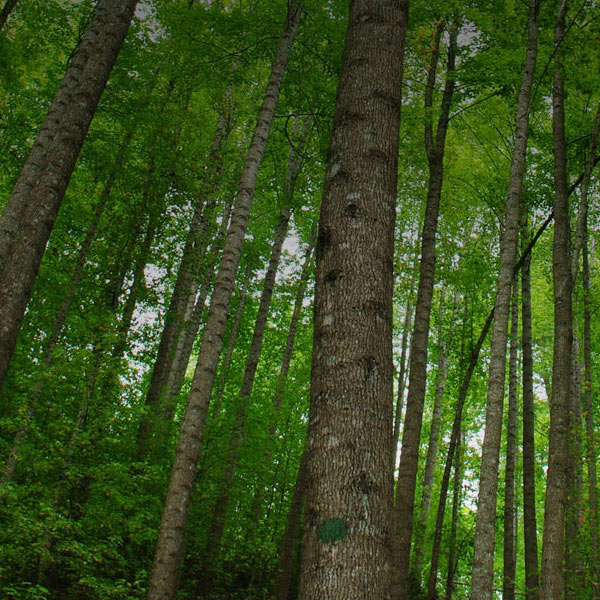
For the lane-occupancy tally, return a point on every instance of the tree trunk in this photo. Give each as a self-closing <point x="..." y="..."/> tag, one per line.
<point x="551" y="576"/>
<point x="456" y="499"/>
<point x="169" y="549"/>
<point x="5" y="12"/>
<point x="347" y="531"/>
<point x="402" y="373"/>
<point x="529" y="460"/>
<point x="287" y="551"/>
<point x="432" y="448"/>
<point x="454" y="441"/>
<point x="589" y="423"/>
<point x="219" y="512"/>
<point x="483" y="551"/>
<point x="29" y="216"/>
<point x="184" y="293"/>
<point x="510" y="533"/>
<point x="411" y="436"/>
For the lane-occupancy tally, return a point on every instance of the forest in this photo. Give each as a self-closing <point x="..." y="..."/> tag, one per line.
<point x="298" y="299"/>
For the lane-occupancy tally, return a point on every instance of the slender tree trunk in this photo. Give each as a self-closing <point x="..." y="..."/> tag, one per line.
<point x="589" y="424"/>
<point x="281" y="384"/>
<point x="347" y="531"/>
<point x="483" y="551"/>
<point x="29" y="216"/>
<point x="411" y="436"/>
<point x="402" y="373"/>
<point x="219" y="512"/>
<point x="551" y="576"/>
<point x="432" y="449"/>
<point x="5" y="12"/>
<point x="184" y="293"/>
<point x="169" y="549"/>
<point x="529" y="460"/>
<point x="287" y="551"/>
<point x="454" y="441"/>
<point x="510" y="551"/>
<point x="456" y="499"/>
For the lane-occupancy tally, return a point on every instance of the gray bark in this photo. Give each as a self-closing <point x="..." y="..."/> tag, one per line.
<point x="29" y="216"/>
<point x="551" y="575"/>
<point x="483" y="551"/>
<point x="347" y="525"/>
<point x="169" y="549"/>
<point x="411" y="436"/>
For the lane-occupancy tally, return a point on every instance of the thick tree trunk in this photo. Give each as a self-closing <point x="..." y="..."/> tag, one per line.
<point x="432" y="448"/>
<point x="551" y="576"/>
<point x="169" y="549"/>
<point x="510" y="533"/>
<point x="29" y="216"/>
<point x="454" y="441"/>
<point x="529" y="460"/>
<point x="483" y="551"/>
<point x="5" y="12"/>
<point x="347" y="531"/>
<point x="589" y="423"/>
<point x="411" y="436"/>
<point x="287" y="551"/>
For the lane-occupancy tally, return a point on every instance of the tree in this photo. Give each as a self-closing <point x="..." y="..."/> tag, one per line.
<point x="346" y="534"/>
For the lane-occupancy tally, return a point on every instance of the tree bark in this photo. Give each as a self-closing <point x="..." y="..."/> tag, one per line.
<point x="411" y="436"/>
<point x="454" y="441"/>
<point x="169" y="549"/>
<point x="29" y="216"/>
<point x="510" y="533"/>
<point x="287" y="552"/>
<point x="529" y="460"/>
<point x="456" y="499"/>
<point x="551" y="576"/>
<point x="402" y="373"/>
<point x="347" y="533"/>
<point x="5" y="12"/>
<point x="432" y="448"/>
<point x="589" y="423"/>
<point x="483" y="551"/>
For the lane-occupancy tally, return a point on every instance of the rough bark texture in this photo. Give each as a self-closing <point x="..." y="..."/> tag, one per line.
<point x="510" y="533"/>
<point x="589" y="423"/>
<point x="29" y="216"/>
<point x="529" y="461"/>
<point x="551" y="575"/>
<point x="483" y="553"/>
<point x="169" y="549"/>
<point x="411" y="435"/>
<point x="5" y="12"/>
<point x="347" y="530"/>
<point x="287" y="553"/>
<point x="454" y="441"/>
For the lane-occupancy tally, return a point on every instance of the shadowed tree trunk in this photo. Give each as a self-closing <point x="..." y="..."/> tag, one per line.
<point x="529" y="460"/>
<point x="551" y="575"/>
<point x="483" y="550"/>
<point x="510" y="533"/>
<point x="411" y="436"/>
<point x="589" y="424"/>
<point x="169" y="548"/>
<point x="456" y="499"/>
<point x="29" y="216"/>
<point x="402" y="374"/>
<point x="5" y="12"/>
<point x="347" y="533"/>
